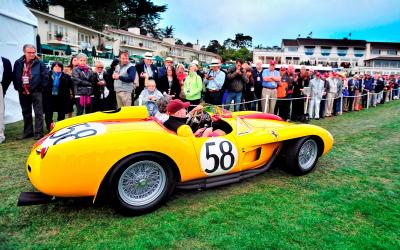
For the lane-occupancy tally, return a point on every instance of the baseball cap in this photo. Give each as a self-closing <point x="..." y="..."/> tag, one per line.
<point x="176" y="105"/>
<point x="318" y="74"/>
<point x="272" y="62"/>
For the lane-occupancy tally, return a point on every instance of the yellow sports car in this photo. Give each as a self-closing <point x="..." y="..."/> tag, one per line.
<point x="130" y="159"/>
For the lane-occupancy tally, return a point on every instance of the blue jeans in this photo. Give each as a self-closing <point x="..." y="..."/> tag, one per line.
<point x="236" y="97"/>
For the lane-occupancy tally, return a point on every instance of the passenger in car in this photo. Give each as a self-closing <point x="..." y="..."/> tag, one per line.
<point x="178" y="117"/>
<point x="162" y="103"/>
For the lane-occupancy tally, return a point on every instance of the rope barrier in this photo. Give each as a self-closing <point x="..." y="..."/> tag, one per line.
<point x="298" y="98"/>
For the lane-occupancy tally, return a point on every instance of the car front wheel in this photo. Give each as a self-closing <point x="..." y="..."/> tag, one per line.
<point x="142" y="184"/>
<point x="302" y="156"/>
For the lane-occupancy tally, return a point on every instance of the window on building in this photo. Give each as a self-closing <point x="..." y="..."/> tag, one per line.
<point x="358" y="52"/>
<point x="375" y="51"/>
<point x="325" y="51"/>
<point x="293" y="49"/>
<point x="393" y="64"/>
<point x="342" y="51"/>
<point x="309" y="51"/>
<point x="392" y="52"/>
<point x="378" y="64"/>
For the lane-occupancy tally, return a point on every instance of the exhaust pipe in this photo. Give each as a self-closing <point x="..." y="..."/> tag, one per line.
<point x="34" y="198"/>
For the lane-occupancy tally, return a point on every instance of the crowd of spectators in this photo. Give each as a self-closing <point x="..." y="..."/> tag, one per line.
<point x="292" y="95"/>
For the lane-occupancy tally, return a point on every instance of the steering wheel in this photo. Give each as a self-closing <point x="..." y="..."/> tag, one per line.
<point x="200" y="119"/>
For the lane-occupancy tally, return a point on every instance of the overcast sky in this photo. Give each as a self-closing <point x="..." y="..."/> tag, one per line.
<point x="269" y="21"/>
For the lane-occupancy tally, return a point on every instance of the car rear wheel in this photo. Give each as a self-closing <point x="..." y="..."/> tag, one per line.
<point x="141" y="184"/>
<point x="302" y="156"/>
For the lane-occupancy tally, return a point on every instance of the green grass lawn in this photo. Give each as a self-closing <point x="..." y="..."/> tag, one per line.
<point x="351" y="201"/>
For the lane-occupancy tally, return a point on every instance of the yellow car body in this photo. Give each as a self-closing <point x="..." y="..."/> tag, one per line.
<point x="74" y="159"/>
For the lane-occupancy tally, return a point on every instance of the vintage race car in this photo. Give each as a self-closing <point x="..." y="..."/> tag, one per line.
<point x="130" y="159"/>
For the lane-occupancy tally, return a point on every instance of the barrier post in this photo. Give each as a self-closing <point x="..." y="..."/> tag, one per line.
<point x="368" y="99"/>
<point x="341" y="104"/>
<point x="391" y="95"/>
<point x="266" y="104"/>
<point x="306" y="107"/>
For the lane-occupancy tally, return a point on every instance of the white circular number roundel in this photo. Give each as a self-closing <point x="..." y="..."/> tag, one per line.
<point x="218" y="156"/>
<point x="74" y="132"/>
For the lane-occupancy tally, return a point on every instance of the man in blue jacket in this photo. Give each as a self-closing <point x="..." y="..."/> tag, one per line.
<point x="30" y="78"/>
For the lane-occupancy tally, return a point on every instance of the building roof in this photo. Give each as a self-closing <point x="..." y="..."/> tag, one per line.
<point x="66" y="21"/>
<point x="385" y="58"/>
<point x="324" y="42"/>
<point x="290" y="42"/>
<point x="124" y="32"/>
<point x="384" y="45"/>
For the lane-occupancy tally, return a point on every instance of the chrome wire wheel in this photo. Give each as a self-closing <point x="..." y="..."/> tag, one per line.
<point x="308" y="154"/>
<point x="141" y="183"/>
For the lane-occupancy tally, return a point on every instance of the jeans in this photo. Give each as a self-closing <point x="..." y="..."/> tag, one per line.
<point x="236" y="97"/>
<point x="35" y="100"/>
<point x="87" y="108"/>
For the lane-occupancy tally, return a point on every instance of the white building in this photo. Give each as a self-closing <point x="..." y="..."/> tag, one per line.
<point x="56" y="33"/>
<point x="359" y="55"/>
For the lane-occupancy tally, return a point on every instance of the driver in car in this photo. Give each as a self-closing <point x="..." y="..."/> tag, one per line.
<point x="178" y="116"/>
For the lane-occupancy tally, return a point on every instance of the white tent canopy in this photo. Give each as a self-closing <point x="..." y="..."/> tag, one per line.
<point x="18" y="27"/>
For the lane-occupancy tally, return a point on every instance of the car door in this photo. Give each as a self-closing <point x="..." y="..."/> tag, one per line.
<point x="256" y="141"/>
<point x="217" y="155"/>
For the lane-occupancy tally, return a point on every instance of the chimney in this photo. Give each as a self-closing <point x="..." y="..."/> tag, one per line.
<point x="56" y="10"/>
<point x="134" y="30"/>
<point x="169" y="40"/>
<point x="196" y="46"/>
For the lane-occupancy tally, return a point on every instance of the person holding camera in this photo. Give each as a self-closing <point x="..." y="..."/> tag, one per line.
<point x="214" y="82"/>
<point x="236" y="85"/>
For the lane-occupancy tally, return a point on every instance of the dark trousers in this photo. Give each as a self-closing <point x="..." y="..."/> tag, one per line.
<point x="364" y="99"/>
<point x="336" y="106"/>
<point x="251" y="104"/>
<point x="297" y="109"/>
<point x="80" y="109"/>
<point x="258" y="90"/>
<point x="35" y="100"/>
<point x="385" y="93"/>
<point x="350" y="101"/>
<point x="99" y="104"/>
<point x="282" y="107"/>
<point x="322" y="107"/>
<point x="213" y="97"/>
<point x="48" y="116"/>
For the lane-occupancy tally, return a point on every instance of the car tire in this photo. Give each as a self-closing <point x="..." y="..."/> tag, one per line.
<point x="141" y="183"/>
<point x="301" y="156"/>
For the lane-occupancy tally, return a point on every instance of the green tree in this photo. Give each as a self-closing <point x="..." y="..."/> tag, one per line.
<point x="215" y="47"/>
<point x="179" y="42"/>
<point x="168" y="32"/>
<point x="120" y="14"/>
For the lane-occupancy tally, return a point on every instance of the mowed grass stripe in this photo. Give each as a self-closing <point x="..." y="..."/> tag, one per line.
<point x="350" y="201"/>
